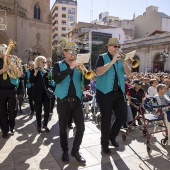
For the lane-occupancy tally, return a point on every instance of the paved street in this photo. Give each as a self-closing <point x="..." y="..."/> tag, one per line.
<point x="29" y="150"/>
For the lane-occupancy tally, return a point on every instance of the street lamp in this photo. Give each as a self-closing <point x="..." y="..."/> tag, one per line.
<point x="164" y="55"/>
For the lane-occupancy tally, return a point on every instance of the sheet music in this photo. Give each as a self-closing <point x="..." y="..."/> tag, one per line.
<point x="130" y="55"/>
<point x="83" y="58"/>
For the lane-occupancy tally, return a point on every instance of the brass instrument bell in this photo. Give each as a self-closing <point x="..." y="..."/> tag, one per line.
<point x="88" y="74"/>
<point x="130" y="61"/>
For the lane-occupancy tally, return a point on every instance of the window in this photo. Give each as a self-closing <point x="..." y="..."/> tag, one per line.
<point x="37" y="11"/>
<point x="70" y="24"/>
<point x="64" y="9"/>
<point x="63" y="28"/>
<point x="63" y="15"/>
<point x="71" y="17"/>
<point x="63" y="23"/>
<point x="71" y="10"/>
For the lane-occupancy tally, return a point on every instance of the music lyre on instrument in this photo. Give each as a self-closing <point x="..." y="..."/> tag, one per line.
<point x="81" y="60"/>
<point x="129" y="59"/>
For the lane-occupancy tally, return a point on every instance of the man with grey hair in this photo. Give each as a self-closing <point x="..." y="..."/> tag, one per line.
<point x="160" y="96"/>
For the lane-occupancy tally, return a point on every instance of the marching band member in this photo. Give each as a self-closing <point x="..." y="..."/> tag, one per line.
<point x="30" y="87"/>
<point x="110" y="89"/>
<point x="69" y="93"/>
<point x="39" y="77"/>
<point x="8" y="104"/>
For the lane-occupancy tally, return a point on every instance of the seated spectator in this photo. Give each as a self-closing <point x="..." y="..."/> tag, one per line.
<point x="167" y="83"/>
<point x="145" y="84"/>
<point x="152" y="91"/>
<point x="127" y="84"/>
<point x="138" y="93"/>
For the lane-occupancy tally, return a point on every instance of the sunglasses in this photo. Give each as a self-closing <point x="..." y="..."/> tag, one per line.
<point x="71" y="52"/>
<point x="116" y="46"/>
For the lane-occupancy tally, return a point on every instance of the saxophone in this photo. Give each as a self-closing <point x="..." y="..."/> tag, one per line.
<point x="12" y="62"/>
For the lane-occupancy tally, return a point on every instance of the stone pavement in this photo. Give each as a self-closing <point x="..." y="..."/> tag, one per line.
<point x="27" y="149"/>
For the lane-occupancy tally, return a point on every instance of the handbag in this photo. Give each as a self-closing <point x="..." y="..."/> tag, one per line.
<point x="49" y="91"/>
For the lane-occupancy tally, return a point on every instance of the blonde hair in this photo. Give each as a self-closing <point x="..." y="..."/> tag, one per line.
<point x="38" y="60"/>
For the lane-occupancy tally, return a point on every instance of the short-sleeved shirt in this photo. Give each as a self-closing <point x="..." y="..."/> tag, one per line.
<point x="140" y="94"/>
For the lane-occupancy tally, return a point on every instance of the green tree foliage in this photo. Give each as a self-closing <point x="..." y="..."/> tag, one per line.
<point x="57" y="49"/>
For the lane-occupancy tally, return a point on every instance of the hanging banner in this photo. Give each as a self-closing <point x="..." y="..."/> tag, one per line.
<point x="3" y="20"/>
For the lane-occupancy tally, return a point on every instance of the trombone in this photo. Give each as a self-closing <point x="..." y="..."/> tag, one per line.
<point x="129" y="59"/>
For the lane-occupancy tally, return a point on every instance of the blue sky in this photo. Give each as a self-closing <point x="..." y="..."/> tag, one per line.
<point x="124" y="9"/>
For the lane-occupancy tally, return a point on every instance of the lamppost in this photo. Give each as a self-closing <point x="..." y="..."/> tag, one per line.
<point x="164" y="55"/>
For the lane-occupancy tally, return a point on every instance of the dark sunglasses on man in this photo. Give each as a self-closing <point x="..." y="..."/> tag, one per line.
<point x="116" y="46"/>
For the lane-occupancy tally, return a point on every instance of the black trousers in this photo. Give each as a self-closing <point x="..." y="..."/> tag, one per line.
<point x="52" y="103"/>
<point x="38" y="109"/>
<point x="8" y="109"/>
<point x="64" y="110"/>
<point x="113" y="100"/>
<point x="134" y="111"/>
<point x="31" y="103"/>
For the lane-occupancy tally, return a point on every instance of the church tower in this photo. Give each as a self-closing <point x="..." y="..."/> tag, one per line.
<point x="29" y="24"/>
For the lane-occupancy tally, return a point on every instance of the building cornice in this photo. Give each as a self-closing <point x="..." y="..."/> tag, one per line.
<point x="161" y="39"/>
<point x="13" y="8"/>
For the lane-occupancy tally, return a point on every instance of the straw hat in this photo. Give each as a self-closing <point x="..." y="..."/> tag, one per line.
<point x="70" y="45"/>
<point x="113" y="41"/>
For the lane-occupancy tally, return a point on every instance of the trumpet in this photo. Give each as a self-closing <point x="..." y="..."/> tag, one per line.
<point x="88" y="74"/>
<point x="129" y="59"/>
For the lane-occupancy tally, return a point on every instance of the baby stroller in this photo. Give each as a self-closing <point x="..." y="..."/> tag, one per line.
<point x="149" y="105"/>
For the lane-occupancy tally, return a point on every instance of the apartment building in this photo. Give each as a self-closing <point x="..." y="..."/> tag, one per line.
<point x="64" y="15"/>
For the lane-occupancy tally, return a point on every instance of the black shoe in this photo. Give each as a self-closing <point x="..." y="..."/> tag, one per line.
<point x="106" y="151"/>
<point x="12" y="130"/>
<point x="114" y="143"/>
<point x="32" y="113"/>
<point x="139" y="122"/>
<point x="46" y="129"/>
<point x="125" y="126"/>
<point x="5" y="136"/>
<point x="134" y="125"/>
<point x="78" y="157"/>
<point x="39" y="130"/>
<point x="70" y="126"/>
<point x="65" y="157"/>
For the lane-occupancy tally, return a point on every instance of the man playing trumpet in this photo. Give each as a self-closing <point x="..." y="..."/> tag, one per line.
<point x="110" y="93"/>
<point x="69" y="92"/>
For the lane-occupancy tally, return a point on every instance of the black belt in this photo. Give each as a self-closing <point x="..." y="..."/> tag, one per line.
<point x="69" y="99"/>
<point x="116" y="89"/>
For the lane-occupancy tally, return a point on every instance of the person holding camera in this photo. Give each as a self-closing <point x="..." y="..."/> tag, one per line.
<point x="39" y="80"/>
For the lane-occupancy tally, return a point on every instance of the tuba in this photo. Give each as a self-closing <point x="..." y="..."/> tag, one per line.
<point x="129" y="59"/>
<point x="12" y="62"/>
